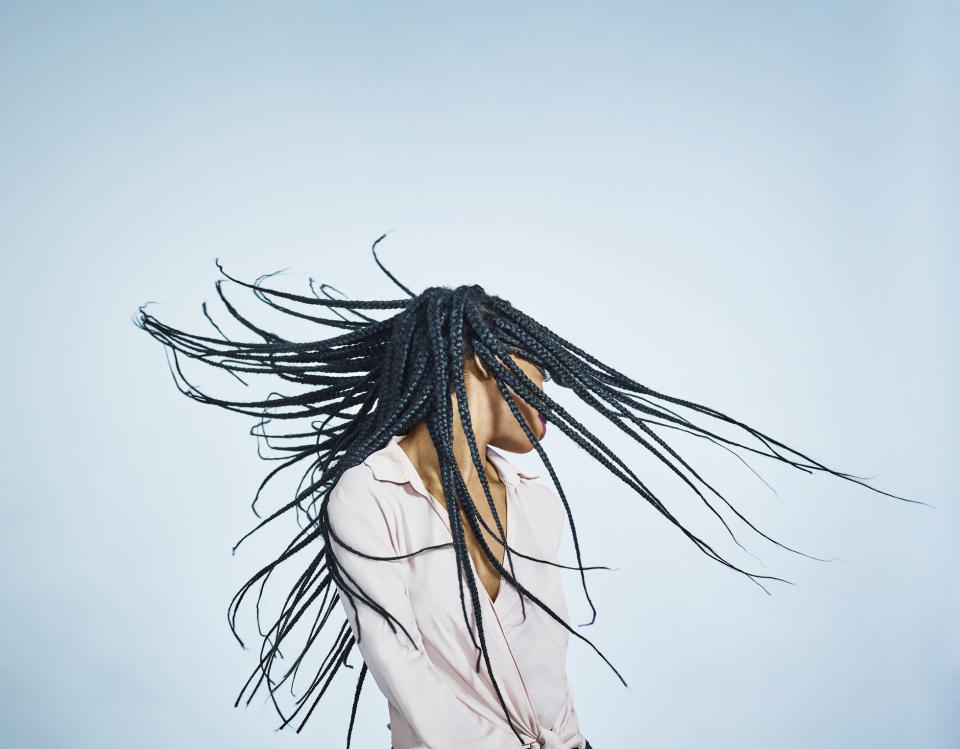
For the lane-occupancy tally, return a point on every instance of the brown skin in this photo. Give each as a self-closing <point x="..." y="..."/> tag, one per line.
<point x="493" y="424"/>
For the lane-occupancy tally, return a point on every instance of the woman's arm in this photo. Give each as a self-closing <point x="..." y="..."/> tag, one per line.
<point x="568" y="724"/>
<point x="405" y="674"/>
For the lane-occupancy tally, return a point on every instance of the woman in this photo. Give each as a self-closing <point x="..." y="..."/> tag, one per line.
<point x="439" y="555"/>
<point x="391" y="505"/>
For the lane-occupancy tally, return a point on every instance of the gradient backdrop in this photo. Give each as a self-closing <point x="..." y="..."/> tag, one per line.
<point x="751" y="205"/>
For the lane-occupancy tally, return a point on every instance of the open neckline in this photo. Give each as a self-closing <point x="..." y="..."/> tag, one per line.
<point x="442" y="512"/>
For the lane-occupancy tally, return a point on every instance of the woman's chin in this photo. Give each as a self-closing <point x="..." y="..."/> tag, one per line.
<point x="516" y="443"/>
<point x="517" y="440"/>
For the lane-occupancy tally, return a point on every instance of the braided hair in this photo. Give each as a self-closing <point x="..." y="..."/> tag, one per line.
<point x="379" y="378"/>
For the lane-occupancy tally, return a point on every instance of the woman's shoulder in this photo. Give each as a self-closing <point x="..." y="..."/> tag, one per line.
<point x="362" y="509"/>
<point x="542" y="501"/>
<point x="355" y="478"/>
<point x="539" y="492"/>
<point x="360" y="489"/>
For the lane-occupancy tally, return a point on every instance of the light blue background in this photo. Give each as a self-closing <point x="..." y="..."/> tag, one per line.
<point x="751" y="205"/>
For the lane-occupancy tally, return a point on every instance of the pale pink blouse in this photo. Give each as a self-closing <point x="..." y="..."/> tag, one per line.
<point x="436" y="699"/>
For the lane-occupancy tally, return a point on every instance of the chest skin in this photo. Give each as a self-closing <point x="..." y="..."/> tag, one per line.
<point x="488" y="574"/>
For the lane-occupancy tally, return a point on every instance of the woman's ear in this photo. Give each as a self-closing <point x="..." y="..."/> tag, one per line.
<point x="479" y="365"/>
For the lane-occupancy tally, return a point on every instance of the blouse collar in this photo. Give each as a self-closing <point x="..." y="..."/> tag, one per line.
<point x="391" y="463"/>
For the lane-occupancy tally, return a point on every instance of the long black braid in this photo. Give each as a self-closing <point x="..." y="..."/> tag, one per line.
<point x="380" y="378"/>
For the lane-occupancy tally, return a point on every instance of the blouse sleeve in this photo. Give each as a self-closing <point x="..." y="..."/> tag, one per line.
<point x="405" y="674"/>
<point x="570" y="723"/>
